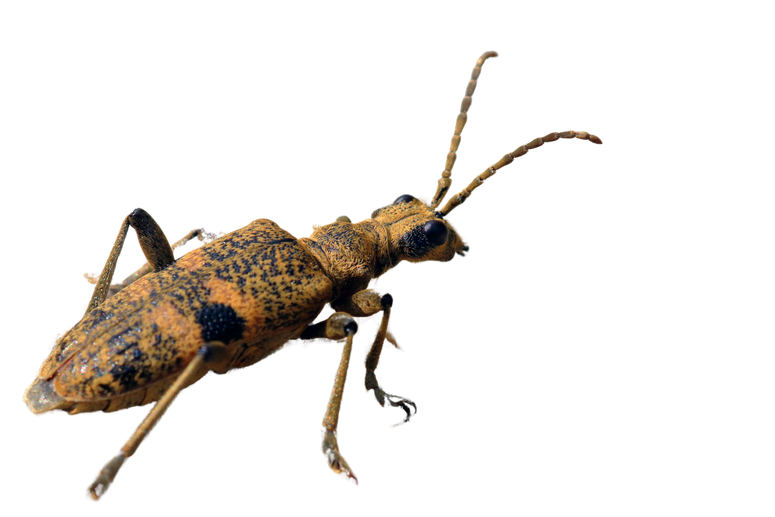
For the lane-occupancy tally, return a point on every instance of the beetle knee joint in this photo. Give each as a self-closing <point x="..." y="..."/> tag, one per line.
<point x="386" y="301"/>
<point x="215" y="356"/>
<point x="340" y="325"/>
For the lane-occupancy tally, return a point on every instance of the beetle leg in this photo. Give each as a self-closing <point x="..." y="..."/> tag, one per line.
<point x="363" y="303"/>
<point x="371" y="361"/>
<point x="337" y="326"/>
<point x="156" y="247"/>
<point x="212" y="356"/>
<point x="192" y="238"/>
<point x="341" y="325"/>
<point x="100" y="291"/>
<point x="156" y="251"/>
<point x="367" y="303"/>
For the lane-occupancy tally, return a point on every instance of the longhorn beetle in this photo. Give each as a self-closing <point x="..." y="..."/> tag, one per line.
<point x="241" y="297"/>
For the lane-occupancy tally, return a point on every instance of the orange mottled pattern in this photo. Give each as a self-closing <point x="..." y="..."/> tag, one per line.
<point x="252" y="289"/>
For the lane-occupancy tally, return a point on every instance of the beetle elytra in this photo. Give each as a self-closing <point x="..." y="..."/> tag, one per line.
<point x="240" y="298"/>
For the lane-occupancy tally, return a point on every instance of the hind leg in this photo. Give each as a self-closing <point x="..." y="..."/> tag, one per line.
<point x="152" y="243"/>
<point x="213" y="357"/>
<point x="199" y="233"/>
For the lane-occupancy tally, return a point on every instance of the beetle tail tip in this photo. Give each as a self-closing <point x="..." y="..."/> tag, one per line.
<point x="41" y="397"/>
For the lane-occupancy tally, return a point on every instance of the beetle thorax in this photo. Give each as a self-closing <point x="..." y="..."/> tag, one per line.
<point x="351" y="254"/>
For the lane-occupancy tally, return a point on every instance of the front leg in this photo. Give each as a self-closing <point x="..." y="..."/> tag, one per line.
<point x="364" y="303"/>
<point x="367" y="303"/>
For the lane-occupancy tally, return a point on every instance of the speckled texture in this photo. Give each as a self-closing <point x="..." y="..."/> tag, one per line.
<point x="253" y="289"/>
<point x="404" y="221"/>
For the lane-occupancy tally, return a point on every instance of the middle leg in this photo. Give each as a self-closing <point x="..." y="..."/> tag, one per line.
<point x="368" y="303"/>
<point x="341" y="325"/>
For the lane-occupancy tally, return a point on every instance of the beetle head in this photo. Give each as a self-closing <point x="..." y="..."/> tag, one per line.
<point x="418" y="233"/>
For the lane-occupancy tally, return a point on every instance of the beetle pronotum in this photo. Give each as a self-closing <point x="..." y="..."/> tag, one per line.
<point x="241" y="297"/>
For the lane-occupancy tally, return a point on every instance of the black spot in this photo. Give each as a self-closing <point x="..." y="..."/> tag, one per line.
<point x="125" y="375"/>
<point x="130" y="345"/>
<point x="220" y="323"/>
<point x="106" y="389"/>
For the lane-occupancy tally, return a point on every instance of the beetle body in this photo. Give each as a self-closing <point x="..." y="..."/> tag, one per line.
<point x="252" y="290"/>
<point x="240" y="298"/>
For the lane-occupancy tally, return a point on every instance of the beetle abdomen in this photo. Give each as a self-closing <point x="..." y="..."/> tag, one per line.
<point x="252" y="289"/>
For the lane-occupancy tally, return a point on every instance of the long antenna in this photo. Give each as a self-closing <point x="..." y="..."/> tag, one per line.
<point x="445" y="181"/>
<point x="457" y="199"/>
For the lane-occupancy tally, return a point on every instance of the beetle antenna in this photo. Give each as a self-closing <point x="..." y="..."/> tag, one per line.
<point x="507" y="159"/>
<point x="443" y="183"/>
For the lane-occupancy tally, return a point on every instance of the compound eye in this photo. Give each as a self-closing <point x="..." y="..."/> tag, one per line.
<point x="436" y="232"/>
<point x="406" y="198"/>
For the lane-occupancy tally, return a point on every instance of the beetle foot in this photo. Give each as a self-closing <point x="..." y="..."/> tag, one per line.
<point x="106" y="476"/>
<point x="408" y="407"/>
<point x="337" y="466"/>
<point x="332" y="456"/>
<point x="389" y="400"/>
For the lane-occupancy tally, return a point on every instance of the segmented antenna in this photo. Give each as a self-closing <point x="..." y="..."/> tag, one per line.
<point x="445" y="182"/>
<point x="507" y="159"/>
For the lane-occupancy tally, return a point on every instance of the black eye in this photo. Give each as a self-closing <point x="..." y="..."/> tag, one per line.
<point x="406" y="198"/>
<point x="436" y="232"/>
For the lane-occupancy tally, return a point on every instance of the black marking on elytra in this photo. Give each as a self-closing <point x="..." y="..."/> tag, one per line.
<point x="106" y="390"/>
<point x="126" y="375"/>
<point x="220" y="322"/>
<point x="127" y="347"/>
<point x="155" y="246"/>
<point x="118" y="338"/>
